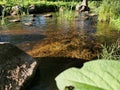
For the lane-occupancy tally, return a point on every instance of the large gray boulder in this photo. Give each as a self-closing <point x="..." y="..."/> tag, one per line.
<point x="16" y="67"/>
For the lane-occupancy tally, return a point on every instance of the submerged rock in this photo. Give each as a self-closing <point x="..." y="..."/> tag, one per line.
<point x="28" y="24"/>
<point x="16" y="67"/>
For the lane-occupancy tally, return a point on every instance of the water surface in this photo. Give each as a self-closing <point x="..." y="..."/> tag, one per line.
<point x="58" y="32"/>
<point x="17" y="33"/>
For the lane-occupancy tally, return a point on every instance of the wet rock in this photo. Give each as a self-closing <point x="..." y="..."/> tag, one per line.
<point x="16" y="10"/>
<point x="77" y="8"/>
<point x="48" y="15"/>
<point x="16" y="67"/>
<point x="28" y="24"/>
<point x="14" y="20"/>
<point x="32" y="17"/>
<point x="32" y="8"/>
<point x="83" y="7"/>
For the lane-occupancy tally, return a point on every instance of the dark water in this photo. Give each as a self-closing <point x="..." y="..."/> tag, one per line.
<point x="49" y="68"/>
<point x="20" y="35"/>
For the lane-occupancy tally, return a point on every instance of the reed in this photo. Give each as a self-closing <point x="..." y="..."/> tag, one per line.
<point x="109" y="11"/>
<point x="115" y="23"/>
<point x="3" y="16"/>
<point x="39" y="3"/>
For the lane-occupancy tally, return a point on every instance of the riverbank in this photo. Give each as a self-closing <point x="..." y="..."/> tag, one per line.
<point x="40" y="6"/>
<point x="108" y="11"/>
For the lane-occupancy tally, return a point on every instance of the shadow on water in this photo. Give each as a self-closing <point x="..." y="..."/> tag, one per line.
<point x="49" y="68"/>
<point x="15" y="39"/>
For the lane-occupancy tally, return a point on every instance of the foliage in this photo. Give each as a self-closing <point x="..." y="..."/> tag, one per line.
<point x="94" y="4"/>
<point x="109" y="11"/>
<point x="53" y="6"/>
<point x="112" y="51"/>
<point x="94" y="75"/>
<point x="41" y="6"/>
<point x="67" y="15"/>
<point x="3" y="15"/>
<point x="115" y="23"/>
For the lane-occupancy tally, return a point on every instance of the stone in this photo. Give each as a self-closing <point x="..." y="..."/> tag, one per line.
<point x="77" y="8"/>
<point x="48" y="15"/>
<point x="32" y="8"/>
<point x="83" y="7"/>
<point x="14" y="20"/>
<point x="16" y="67"/>
<point x="16" y="10"/>
<point x="28" y="24"/>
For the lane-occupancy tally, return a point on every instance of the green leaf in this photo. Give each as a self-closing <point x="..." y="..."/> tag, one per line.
<point x="94" y="75"/>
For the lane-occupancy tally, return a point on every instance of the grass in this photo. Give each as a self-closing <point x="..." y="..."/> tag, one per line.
<point x="41" y="6"/>
<point x="94" y="5"/>
<point x="109" y="11"/>
<point x="66" y="44"/>
<point x="111" y="52"/>
<point x="115" y="23"/>
<point x="3" y="17"/>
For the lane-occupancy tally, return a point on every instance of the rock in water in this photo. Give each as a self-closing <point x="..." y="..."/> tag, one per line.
<point x="16" y="67"/>
<point x="14" y="20"/>
<point x="48" y="15"/>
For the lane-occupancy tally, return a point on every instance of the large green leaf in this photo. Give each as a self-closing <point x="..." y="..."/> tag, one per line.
<point x="94" y="75"/>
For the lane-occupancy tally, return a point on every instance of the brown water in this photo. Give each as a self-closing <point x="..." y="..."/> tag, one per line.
<point x="17" y="33"/>
<point x="62" y="34"/>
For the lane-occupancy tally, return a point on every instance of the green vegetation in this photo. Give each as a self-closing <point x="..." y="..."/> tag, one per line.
<point x="94" y="75"/>
<point x="109" y="11"/>
<point x="75" y="45"/>
<point x="41" y="6"/>
<point x="111" y="52"/>
<point x="3" y="17"/>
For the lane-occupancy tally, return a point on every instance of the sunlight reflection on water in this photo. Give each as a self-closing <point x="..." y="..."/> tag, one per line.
<point x="18" y="33"/>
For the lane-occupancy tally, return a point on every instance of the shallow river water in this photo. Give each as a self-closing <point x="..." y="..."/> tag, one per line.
<point x="55" y="28"/>
<point x="18" y="33"/>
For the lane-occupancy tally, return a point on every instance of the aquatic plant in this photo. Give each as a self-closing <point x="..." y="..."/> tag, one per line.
<point x="65" y="11"/>
<point x="111" y="52"/>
